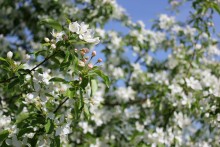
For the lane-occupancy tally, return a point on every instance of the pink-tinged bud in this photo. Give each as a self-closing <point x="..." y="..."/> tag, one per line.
<point x="46" y="39"/>
<point x="84" y="60"/>
<point x="80" y="78"/>
<point x="9" y="55"/>
<point x="90" y="66"/>
<point x="86" y="50"/>
<point x="53" y="46"/>
<point x="93" y="53"/>
<point x="99" y="60"/>
<point x="65" y="37"/>
<point x="83" y="50"/>
<point x="82" y="53"/>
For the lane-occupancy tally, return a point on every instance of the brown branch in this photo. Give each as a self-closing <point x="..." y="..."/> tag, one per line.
<point x="58" y="107"/>
<point x="130" y="74"/>
<point x="33" y="69"/>
<point x="139" y="101"/>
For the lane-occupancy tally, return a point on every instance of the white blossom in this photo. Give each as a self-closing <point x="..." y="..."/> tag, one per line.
<point x="9" y="54"/>
<point x="58" y="35"/>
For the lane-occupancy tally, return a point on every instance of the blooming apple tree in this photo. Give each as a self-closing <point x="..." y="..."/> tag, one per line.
<point x="162" y="88"/>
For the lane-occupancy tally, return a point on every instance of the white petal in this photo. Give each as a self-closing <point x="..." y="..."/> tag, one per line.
<point x="74" y="27"/>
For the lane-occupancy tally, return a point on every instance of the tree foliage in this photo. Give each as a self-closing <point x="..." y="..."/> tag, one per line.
<point x="55" y="90"/>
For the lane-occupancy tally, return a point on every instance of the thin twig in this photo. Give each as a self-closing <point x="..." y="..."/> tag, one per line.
<point x="33" y="69"/>
<point x="140" y="101"/>
<point x="58" y="107"/>
<point x="130" y="74"/>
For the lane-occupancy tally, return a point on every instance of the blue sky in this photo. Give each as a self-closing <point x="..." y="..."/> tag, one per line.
<point x="146" y="10"/>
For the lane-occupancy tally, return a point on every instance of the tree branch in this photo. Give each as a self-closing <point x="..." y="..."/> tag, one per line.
<point x="33" y="69"/>
<point x="58" y="107"/>
<point x="139" y="101"/>
<point x="130" y="74"/>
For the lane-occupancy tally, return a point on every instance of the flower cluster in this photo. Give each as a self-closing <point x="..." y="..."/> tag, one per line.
<point x="165" y="81"/>
<point x="84" y="32"/>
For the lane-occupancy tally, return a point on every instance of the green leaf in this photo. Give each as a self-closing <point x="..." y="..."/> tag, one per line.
<point x="68" y="20"/>
<point x="81" y="104"/>
<point x="52" y="23"/>
<point x="24" y="130"/>
<point x="55" y="60"/>
<point x="13" y="83"/>
<point x="57" y="141"/>
<point x="70" y="92"/>
<point x="87" y="112"/>
<point x="57" y="79"/>
<point x="3" y="135"/>
<point x="2" y="59"/>
<point x="33" y="141"/>
<point x="67" y="54"/>
<point x="40" y="52"/>
<point x="85" y="82"/>
<point x="21" y="117"/>
<point x="4" y="144"/>
<point x="103" y="76"/>
<point x="24" y="71"/>
<point x="94" y="87"/>
<point x="46" y="44"/>
<point x="216" y="7"/>
<point x="67" y="61"/>
<point x="49" y="127"/>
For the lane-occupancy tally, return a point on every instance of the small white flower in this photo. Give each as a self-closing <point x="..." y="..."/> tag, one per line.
<point x="57" y="35"/>
<point x="83" y="28"/>
<point x="53" y="46"/>
<point x="74" y="27"/>
<point x="27" y="57"/>
<point x="81" y="64"/>
<point x="198" y="46"/>
<point x="83" y="32"/>
<point x="139" y="127"/>
<point x="9" y="55"/>
<point x="46" y="39"/>
<point x="193" y="83"/>
<point x="63" y="130"/>
<point x="165" y="22"/>
<point x="218" y="117"/>
<point x="86" y="127"/>
<point x="89" y="39"/>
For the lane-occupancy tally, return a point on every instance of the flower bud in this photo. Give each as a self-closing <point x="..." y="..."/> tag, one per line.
<point x="46" y="39"/>
<point x="52" y="41"/>
<point x="90" y="66"/>
<point x="82" y="53"/>
<point x="81" y="64"/>
<point x="99" y="60"/>
<point x="84" y="60"/>
<point x="75" y="49"/>
<point x="9" y="55"/>
<point x="93" y="53"/>
<point x="65" y="37"/>
<point x="27" y="57"/>
<point x="86" y="50"/>
<point x="53" y="46"/>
